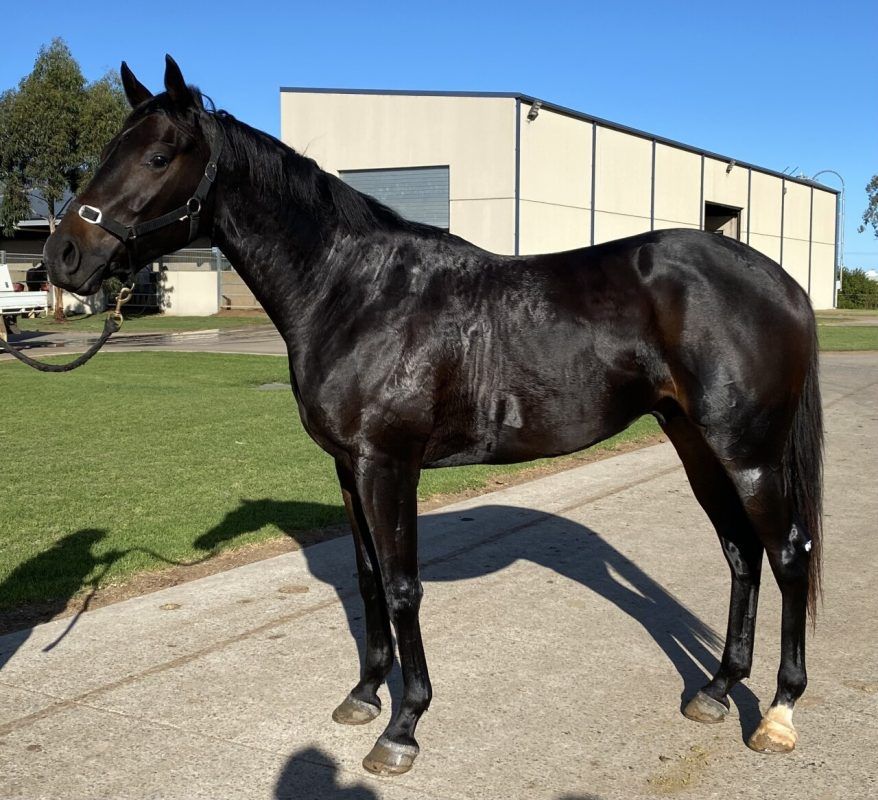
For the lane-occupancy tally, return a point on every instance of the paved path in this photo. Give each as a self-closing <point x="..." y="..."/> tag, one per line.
<point x="563" y="620"/>
<point x="259" y="340"/>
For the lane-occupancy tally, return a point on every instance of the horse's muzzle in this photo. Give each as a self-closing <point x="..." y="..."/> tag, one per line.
<point x="72" y="269"/>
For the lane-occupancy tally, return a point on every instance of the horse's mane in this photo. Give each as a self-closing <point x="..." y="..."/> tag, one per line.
<point x="278" y="170"/>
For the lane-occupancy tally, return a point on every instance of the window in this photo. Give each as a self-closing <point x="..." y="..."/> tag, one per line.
<point x="419" y="194"/>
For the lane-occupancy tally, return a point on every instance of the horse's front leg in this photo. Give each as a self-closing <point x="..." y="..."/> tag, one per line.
<point x="362" y="705"/>
<point x="387" y="488"/>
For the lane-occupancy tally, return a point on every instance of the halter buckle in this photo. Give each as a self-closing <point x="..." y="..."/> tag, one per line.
<point x="96" y="217"/>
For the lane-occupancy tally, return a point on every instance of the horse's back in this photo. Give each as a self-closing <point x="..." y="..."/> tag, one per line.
<point x="570" y="347"/>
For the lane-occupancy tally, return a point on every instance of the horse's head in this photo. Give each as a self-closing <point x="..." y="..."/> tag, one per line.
<point x="149" y="194"/>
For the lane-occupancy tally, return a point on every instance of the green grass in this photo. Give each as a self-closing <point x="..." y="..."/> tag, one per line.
<point x="143" y="459"/>
<point x="848" y="337"/>
<point x="146" y="323"/>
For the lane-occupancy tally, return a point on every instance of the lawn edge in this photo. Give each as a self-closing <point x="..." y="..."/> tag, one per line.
<point x="146" y="582"/>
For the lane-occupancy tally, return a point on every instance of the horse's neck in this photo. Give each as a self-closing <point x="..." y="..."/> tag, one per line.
<point x="279" y="264"/>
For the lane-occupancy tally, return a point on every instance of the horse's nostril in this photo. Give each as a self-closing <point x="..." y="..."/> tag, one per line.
<point x="70" y="254"/>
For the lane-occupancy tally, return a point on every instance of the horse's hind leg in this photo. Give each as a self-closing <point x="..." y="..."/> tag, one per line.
<point x="362" y="705"/>
<point x="789" y="553"/>
<point x="763" y="517"/>
<point x="743" y="551"/>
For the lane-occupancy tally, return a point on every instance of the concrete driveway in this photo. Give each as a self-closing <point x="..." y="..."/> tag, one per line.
<point x="564" y="619"/>
<point x="257" y="340"/>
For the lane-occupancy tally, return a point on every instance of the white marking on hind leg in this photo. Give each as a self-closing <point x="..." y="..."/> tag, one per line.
<point x="775" y="733"/>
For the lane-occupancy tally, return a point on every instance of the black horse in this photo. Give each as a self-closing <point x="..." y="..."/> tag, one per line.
<point x="411" y="348"/>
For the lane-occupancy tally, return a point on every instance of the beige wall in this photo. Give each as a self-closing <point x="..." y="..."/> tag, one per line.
<point x="622" y="185"/>
<point x="188" y="293"/>
<point x="822" y="274"/>
<point x="765" y="203"/>
<point x="555" y="182"/>
<point x="823" y="249"/>
<point x="474" y="136"/>
<point x="677" y="188"/>
<point x="796" y="233"/>
<point x="726" y="188"/>
<point x="824" y="217"/>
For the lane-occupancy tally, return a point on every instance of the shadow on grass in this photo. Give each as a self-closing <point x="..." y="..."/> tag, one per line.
<point x="73" y="564"/>
<point x="65" y="569"/>
<point x="300" y="521"/>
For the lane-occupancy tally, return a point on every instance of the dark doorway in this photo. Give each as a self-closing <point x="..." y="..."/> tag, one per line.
<point x="725" y="220"/>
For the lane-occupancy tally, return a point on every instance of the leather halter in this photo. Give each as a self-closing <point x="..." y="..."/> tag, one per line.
<point x="191" y="209"/>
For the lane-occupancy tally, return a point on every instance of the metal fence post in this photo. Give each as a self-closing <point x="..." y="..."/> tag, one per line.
<point x="218" y="266"/>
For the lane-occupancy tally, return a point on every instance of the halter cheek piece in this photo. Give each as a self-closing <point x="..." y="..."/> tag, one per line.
<point x="191" y="209"/>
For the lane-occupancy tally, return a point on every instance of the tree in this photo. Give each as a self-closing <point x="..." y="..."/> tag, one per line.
<point x="52" y="130"/>
<point x="870" y="215"/>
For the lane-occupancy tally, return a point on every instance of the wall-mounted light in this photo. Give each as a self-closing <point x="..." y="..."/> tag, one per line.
<point x="534" y="111"/>
<point x="730" y="165"/>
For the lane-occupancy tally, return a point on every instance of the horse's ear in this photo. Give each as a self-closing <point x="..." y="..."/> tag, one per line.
<point x="176" y="87"/>
<point x="135" y="91"/>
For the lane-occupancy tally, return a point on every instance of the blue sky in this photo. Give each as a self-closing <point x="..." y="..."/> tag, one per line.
<point x="782" y="84"/>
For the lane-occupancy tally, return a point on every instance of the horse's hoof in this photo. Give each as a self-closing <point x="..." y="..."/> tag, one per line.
<point x="390" y="758"/>
<point x="355" y="712"/>
<point x="775" y="733"/>
<point x="703" y="708"/>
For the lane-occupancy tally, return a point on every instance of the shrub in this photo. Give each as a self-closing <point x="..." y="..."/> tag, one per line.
<point x="858" y="290"/>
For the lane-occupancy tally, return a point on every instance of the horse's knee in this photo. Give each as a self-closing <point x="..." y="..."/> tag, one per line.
<point x="403" y="596"/>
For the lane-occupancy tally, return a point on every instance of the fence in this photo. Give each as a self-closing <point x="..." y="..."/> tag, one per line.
<point x="232" y="292"/>
<point x="858" y="299"/>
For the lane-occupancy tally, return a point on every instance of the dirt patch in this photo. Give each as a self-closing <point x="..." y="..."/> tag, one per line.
<point x="679" y="773"/>
<point x="148" y="582"/>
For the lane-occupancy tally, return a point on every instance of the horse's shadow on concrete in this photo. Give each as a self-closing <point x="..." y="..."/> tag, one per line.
<point x="311" y="774"/>
<point x="558" y="544"/>
<point x="566" y="548"/>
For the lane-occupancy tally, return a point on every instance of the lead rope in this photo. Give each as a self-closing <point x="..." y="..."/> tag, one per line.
<point x="112" y="324"/>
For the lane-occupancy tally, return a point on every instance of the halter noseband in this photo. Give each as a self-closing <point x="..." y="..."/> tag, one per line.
<point x="191" y="209"/>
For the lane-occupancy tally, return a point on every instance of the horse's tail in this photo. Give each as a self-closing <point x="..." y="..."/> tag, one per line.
<point x="803" y="471"/>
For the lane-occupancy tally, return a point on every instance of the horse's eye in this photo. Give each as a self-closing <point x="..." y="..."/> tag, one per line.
<point x="158" y="161"/>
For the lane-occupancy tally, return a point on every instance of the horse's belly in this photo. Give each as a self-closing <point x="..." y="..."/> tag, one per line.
<point x="508" y="445"/>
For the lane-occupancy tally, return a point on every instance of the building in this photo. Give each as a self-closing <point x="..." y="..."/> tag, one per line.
<point x="517" y="175"/>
